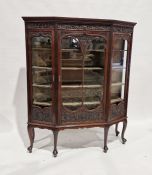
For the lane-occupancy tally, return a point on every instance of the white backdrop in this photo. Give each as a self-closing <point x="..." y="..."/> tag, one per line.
<point x="13" y="108"/>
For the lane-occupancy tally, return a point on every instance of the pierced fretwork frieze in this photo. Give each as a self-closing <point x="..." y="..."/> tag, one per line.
<point x="42" y="114"/>
<point x="117" y="110"/>
<point x="82" y="114"/>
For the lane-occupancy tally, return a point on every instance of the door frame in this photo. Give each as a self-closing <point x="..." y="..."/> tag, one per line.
<point x="61" y="34"/>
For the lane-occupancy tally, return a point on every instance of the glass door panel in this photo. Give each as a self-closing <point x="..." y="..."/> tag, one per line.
<point x="82" y="71"/>
<point x="42" y="70"/>
<point x="93" y="69"/>
<point x="71" y="66"/>
<point x="119" y="58"/>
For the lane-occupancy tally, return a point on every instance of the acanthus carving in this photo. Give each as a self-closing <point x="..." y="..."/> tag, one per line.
<point x="122" y="29"/>
<point x="42" y="114"/>
<point x="117" y="110"/>
<point x="83" y="114"/>
<point x="83" y="27"/>
<point x="39" y="25"/>
<point x="38" y="34"/>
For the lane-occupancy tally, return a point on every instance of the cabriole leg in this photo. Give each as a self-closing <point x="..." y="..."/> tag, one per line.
<point x="123" y="131"/>
<point x="106" y="129"/>
<point x="116" y="130"/>
<point x="31" y="134"/>
<point x="55" y="133"/>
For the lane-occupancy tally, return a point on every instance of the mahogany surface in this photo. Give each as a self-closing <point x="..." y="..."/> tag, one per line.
<point x="58" y="117"/>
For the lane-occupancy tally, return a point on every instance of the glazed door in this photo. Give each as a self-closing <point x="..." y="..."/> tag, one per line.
<point x="82" y="62"/>
<point x="41" y="75"/>
<point x="119" y="71"/>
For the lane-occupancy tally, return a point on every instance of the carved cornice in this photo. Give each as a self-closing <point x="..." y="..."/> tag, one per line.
<point x="83" y="27"/>
<point x="39" y="25"/>
<point x="122" y="29"/>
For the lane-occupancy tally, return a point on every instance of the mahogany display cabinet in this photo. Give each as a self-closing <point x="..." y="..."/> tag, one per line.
<point x="77" y="74"/>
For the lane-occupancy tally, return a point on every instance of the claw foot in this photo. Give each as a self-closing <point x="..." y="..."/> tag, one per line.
<point x="29" y="149"/>
<point x="55" y="152"/>
<point x="105" y="149"/>
<point x="117" y="133"/>
<point x="124" y="140"/>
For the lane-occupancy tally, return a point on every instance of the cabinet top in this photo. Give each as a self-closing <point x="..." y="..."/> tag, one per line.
<point x="74" y="20"/>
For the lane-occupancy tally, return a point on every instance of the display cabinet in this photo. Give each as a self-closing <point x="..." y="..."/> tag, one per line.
<point x="77" y="74"/>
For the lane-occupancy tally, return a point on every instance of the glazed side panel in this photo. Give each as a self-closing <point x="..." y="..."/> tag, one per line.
<point x="119" y="109"/>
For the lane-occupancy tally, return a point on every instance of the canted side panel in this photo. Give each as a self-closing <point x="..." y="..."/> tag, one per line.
<point x="120" y="66"/>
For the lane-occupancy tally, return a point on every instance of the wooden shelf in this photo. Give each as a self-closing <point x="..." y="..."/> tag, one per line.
<point x="80" y="86"/>
<point x="116" y="100"/>
<point x="70" y="50"/>
<point x="80" y="103"/>
<point x="41" y="86"/>
<point x="119" y="50"/>
<point x="96" y="50"/>
<point x="41" y="67"/>
<point x="91" y="50"/>
<point x="117" y="84"/>
<point x="41" y="49"/>
<point x="118" y="67"/>
<point x="81" y="68"/>
<point x="72" y="59"/>
<point x="42" y="103"/>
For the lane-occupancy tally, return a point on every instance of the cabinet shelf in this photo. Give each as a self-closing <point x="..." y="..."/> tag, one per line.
<point x="80" y="103"/>
<point x="116" y="100"/>
<point x="42" y="103"/>
<point x="81" y="68"/>
<point x="69" y="50"/>
<point x="72" y="59"/>
<point x="41" y="49"/>
<point x="96" y="50"/>
<point x="80" y="86"/>
<point x="117" y="84"/>
<point x="118" y="67"/>
<point x="91" y="50"/>
<point x="119" y="50"/>
<point x="41" y="86"/>
<point x="41" y="67"/>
